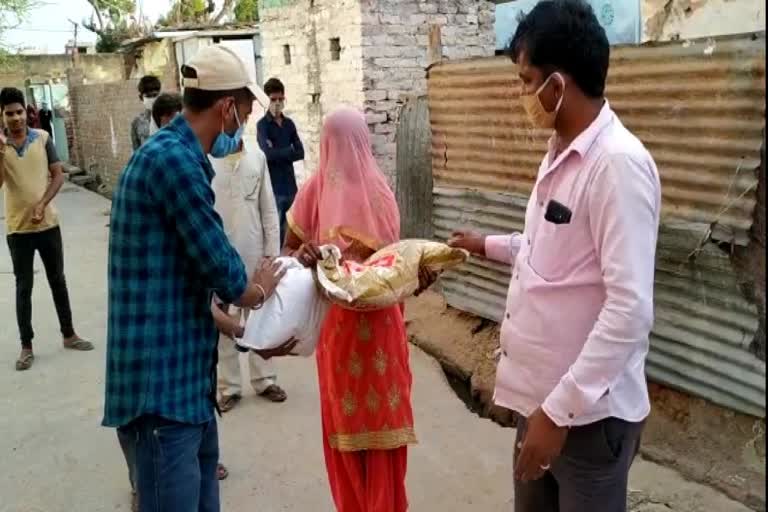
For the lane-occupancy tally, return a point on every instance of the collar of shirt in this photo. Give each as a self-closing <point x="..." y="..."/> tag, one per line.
<point x="229" y="163"/>
<point x="581" y="144"/>
<point x="272" y="119"/>
<point x="31" y="137"/>
<point x="188" y="138"/>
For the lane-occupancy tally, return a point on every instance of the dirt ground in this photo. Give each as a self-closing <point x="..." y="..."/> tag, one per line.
<point x="704" y="442"/>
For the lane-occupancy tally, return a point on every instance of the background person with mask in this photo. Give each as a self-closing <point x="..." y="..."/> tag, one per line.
<point x="280" y="141"/>
<point x="580" y="306"/>
<point x="168" y="253"/>
<point x="142" y="125"/>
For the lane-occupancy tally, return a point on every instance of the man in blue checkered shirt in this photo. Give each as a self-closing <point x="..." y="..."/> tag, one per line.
<point x="168" y="256"/>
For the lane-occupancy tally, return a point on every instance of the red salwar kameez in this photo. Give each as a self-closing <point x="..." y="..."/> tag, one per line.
<point x="365" y="395"/>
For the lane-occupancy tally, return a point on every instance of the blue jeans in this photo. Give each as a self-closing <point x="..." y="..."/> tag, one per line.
<point x="127" y="440"/>
<point x="284" y="203"/>
<point x="175" y="464"/>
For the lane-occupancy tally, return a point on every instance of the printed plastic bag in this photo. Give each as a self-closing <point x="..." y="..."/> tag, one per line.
<point x="387" y="278"/>
<point x="295" y="310"/>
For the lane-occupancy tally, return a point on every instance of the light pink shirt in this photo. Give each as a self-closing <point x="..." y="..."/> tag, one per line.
<point x="580" y="304"/>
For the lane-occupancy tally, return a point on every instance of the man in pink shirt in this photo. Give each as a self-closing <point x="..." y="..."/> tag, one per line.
<point x="580" y="306"/>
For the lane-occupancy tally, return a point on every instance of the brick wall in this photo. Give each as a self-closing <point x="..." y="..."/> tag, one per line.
<point x="102" y="114"/>
<point x="395" y="42"/>
<point x="383" y="57"/>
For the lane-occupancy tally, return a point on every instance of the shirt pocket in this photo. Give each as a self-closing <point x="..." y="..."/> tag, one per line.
<point x="250" y="185"/>
<point x="553" y="250"/>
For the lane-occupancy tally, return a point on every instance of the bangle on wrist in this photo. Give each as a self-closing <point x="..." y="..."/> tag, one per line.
<point x="263" y="296"/>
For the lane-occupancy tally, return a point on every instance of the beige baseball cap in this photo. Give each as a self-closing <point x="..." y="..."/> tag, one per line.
<point x="219" y="68"/>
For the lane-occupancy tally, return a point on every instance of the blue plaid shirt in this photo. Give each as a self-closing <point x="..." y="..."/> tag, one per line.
<point x="167" y="254"/>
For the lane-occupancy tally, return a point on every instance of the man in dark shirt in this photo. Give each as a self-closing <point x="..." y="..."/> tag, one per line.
<point x="142" y="124"/>
<point x="280" y="141"/>
<point x="46" y="119"/>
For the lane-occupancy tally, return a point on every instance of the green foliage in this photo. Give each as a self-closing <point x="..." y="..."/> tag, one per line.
<point x="187" y="11"/>
<point x="247" y="11"/>
<point x="112" y="22"/>
<point x="110" y="39"/>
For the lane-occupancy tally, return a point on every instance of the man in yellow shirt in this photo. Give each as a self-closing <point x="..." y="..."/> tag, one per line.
<point x="31" y="175"/>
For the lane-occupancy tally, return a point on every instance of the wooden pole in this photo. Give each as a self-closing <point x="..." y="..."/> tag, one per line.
<point x="435" y="49"/>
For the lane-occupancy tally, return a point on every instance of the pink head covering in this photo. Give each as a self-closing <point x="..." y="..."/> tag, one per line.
<point x="348" y="198"/>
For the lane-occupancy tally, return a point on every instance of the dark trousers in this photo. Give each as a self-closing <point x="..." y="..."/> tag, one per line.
<point x="591" y="474"/>
<point x="127" y="440"/>
<point x="22" y="247"/>
<point x="175" y="464"/>
<point x="284" y="203"/>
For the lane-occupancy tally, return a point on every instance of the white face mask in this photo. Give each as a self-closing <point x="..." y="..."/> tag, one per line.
<point x="277" y="107"/>
<point x="148" y="102"/>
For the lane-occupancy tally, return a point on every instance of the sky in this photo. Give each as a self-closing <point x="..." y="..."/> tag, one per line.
<point x="47" y="28"/>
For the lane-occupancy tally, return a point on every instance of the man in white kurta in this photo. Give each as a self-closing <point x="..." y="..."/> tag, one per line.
<point x="246" y="204"/>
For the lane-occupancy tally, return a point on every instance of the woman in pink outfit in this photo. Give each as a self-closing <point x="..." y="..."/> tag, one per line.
<point x="362" y="358"/>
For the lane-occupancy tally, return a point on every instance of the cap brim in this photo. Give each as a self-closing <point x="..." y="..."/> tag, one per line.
<point x="260" y="95"/>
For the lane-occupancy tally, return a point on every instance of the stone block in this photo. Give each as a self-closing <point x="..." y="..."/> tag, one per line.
<point x="447" y="7"/>
<point x="428" y="8"/>
<point x="375" y="95"/>
<point x="376" y="117"/>
<point x="384" y="128"/>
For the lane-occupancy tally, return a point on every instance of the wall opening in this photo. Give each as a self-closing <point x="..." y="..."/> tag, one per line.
<point x="287" y="54"/>
<point x="335" y="48"/>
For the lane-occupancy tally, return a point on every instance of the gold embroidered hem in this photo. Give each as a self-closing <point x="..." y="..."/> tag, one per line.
<point x="295" y="227"/>
<point x="384" y="440"/>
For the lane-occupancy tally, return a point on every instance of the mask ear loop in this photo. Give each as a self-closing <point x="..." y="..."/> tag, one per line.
<point x="237" y="117"/>
<point x="542" y="86"/>
<point x="562" y="95"/>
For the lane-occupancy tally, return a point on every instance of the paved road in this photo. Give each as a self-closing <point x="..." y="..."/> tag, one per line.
<point x="56" y="457"/>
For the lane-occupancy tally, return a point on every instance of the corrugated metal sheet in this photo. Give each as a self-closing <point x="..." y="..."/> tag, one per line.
<point x="703" y="327"/>
<point x="699" y="107"/>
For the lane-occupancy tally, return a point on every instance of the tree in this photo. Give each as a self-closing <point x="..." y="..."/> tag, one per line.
<point x="188" y="11"/>
<point x="200" y="12"/>
<point x="113" y="22"/>
<point x="12" y="13"/>
<point x="108" y="13"/>
<point x="247" y="11"/>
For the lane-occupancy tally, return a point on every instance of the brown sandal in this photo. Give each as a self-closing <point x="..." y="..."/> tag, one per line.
<point x="78" y="344"/>
<point x="274" y="393"/>
<point x="227" y="403"/>
<point x="25" y="361"/>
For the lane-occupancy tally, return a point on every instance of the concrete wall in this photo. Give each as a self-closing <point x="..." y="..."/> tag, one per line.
<point x="383" y="58"/>
<point x="156" y="58"/>
<point x="314" y="83"/>
<point x="665" y="20"/>
<point x="97" y="68"/>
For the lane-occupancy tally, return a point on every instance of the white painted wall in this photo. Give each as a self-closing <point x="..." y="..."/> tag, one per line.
<point x="690" y="19"/>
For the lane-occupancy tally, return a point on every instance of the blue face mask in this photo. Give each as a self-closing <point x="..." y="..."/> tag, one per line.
<point x="226" y="144"/>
